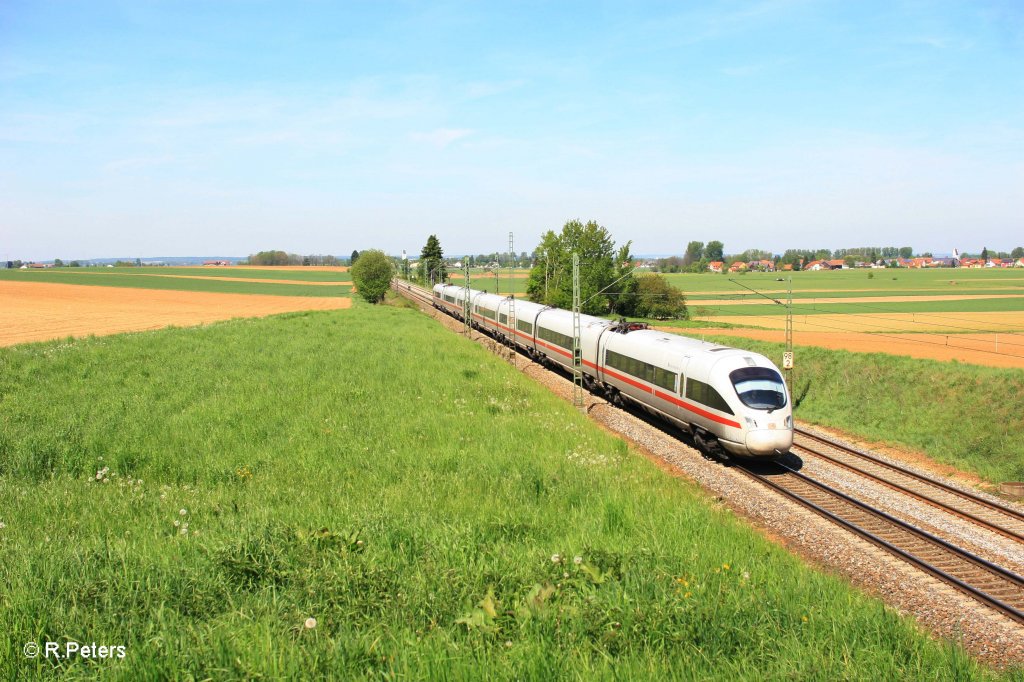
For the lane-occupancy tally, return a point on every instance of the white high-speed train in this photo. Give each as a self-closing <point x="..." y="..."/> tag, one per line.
<point x="725" y="397"/>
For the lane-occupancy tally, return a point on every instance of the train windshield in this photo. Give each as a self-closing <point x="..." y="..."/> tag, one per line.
<point x="759" y="387"/>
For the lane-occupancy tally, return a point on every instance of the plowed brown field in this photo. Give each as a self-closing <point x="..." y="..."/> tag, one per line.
<point x="38" y="311"/>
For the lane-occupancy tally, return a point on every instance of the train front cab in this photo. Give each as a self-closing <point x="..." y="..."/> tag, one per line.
<point x="767" y="414"/>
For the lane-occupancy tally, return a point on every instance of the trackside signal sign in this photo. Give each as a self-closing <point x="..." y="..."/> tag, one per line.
<point x="787" y="360"/>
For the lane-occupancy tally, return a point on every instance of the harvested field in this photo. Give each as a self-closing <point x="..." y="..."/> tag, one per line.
<point x="977" y="349"/>
<point x="1010" y="322"/>
<point x="40" y="311"/>
<point x="860" y="299"/>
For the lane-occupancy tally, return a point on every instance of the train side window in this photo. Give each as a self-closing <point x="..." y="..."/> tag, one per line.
<point x="641" y="370"/>
<point x="704" y="394"/>
<point x="554" y="337"/>
<point x="665" y="379"/>
<point x="716" y="401"/>
<point x="524" y="326"/>
<point x="503" y="318"/>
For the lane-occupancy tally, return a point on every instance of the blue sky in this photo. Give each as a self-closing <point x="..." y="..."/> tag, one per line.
<point x="180" y="128"/>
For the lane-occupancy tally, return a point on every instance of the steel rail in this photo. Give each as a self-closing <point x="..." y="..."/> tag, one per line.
<point x="917" y="478"/>
<point x="1008" y="578"/>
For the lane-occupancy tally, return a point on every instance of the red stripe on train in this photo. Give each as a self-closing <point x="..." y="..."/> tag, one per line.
<point x="625" y="379"/>
<point x="671" y="398"/>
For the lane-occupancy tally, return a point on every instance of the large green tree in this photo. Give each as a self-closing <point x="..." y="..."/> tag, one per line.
<point x="659" y="299"/>
<point x="432" y="267"/>
<point x="602" y="269"/>
<point x="372" y="275"/>
<point x="694" y="250"/>
<point x="714" y="251"/>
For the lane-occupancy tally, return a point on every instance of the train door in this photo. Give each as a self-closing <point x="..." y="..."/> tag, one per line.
<point x="677" y="364"/>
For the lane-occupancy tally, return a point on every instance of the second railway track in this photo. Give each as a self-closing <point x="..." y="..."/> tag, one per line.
<point x="989" y="583"/>
<point x="986" y="513"/>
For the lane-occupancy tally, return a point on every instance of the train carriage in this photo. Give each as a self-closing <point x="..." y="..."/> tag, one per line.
<point x="525" y="317"/>
<point x="485" y="311"/>
<point x="724" y="396"/>
<point x="554" y="337"/>
<point x="730" y="400"/>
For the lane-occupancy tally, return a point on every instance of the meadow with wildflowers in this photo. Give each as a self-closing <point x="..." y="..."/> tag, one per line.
<point x="366" y="495"/>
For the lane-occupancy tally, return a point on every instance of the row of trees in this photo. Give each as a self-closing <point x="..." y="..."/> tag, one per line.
<point x="282" y="258"/>
<point x="1018" y="252"/>
<point x="695" y="259"/>
<point x="698" y="256"/>
<point x="57" y="263"/>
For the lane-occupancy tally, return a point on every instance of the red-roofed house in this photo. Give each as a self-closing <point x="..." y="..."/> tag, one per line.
<point x="715" y="266"/>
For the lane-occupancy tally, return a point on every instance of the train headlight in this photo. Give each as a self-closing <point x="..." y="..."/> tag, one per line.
<point x="751" y="423"/>
<point x="789" y="421"/>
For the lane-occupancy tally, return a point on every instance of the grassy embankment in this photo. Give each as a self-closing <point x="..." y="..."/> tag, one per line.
<point x="160" y="280"/>
<point x="964" y="415"/>
<point x="407" y="490"/>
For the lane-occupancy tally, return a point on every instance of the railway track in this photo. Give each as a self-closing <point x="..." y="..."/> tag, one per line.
<point x="412" y="290"/>
<point x="988" y="583"/>
<point x="985" y="513"/>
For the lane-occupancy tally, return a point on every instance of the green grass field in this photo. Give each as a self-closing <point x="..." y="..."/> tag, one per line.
<point x="906" y="281"/>
<point x="136" y="278"/>
<point x="196" y="495"/>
